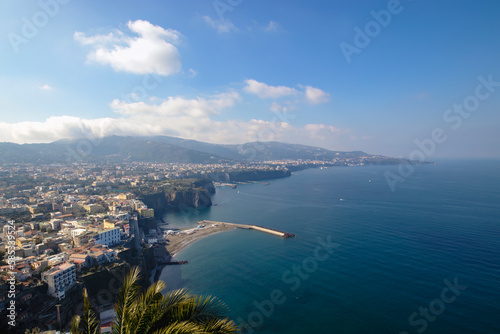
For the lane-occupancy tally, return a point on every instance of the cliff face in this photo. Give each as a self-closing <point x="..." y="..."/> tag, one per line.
<point x="208" y="185"/>
<point x="178" y="200"/>
<point x="191" y="198"/>
<point x="156" y="201"/>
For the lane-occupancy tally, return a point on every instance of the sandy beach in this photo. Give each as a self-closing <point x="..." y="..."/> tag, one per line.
<point x="177" y="242"/>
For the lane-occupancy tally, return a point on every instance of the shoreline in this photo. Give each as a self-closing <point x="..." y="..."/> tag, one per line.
<point x="177" y="243"/>
<point x="181" y="239"/>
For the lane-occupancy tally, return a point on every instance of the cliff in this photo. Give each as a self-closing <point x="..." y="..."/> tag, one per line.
<point x="177" y="200"/>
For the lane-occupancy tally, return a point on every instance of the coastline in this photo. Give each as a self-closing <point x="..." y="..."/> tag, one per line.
<point x="179" y="240"/>
<point x="176" y="243"/>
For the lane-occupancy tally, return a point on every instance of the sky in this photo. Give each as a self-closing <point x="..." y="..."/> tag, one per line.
<point x="408" y="78"/>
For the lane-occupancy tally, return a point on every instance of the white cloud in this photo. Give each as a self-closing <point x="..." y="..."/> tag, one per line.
<point x="265" y="91"/>
<point x="316" y="95"/>
<point x="46" y="87"/>
<point x="272" y="26"/>
<point x="194" y="118"/>
<point x="322" y="131"/>
<point x="192" y="73"/>
<point x="222" y="26"/>
<point x="151" y="51"/>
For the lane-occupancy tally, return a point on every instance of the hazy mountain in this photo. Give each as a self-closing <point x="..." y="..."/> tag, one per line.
<point x="161" y="149"/>
<point x="262" y="151"/>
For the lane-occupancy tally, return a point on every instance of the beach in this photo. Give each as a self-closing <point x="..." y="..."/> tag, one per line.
<point x="177" y="242"/>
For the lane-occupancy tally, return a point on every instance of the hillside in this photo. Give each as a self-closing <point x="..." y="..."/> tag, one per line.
<point x="162" y="149"/>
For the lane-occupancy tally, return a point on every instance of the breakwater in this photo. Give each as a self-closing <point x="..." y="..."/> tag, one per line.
<point x="252" y="227"/>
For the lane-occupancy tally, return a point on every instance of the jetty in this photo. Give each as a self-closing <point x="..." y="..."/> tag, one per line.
<point x="278" y="233"/>
<point x="172" y="263"/>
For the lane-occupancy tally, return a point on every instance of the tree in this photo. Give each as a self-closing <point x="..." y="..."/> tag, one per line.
<point x="88" y="323"/>
<point x="150" y="312"/>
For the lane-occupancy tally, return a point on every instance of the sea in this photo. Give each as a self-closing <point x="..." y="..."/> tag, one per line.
<point x="423" y="257"/>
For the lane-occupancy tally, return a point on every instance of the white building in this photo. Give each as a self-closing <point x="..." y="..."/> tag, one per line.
<point x="108" y="237"/>
<point x="77" y="231"/>
<point x="57" y="259"/>
<point x="60" y="279"/>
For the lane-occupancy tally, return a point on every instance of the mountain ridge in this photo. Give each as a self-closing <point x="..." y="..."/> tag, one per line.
<point x="163" y="149"/>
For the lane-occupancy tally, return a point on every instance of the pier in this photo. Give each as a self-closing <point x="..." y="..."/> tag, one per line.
<point x="172" y="263"/>
<point x="278" y="233"/>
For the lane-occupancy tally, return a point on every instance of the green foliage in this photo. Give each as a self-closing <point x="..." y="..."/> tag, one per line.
<point x="88" y="322"/>
<point x="35" y="330"/>
<point x="152" y="312"/>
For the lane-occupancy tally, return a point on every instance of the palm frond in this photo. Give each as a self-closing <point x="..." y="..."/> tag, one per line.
<point x="148" y="307"/>
<point x="124" y="306"/>
<point x="166" y="308"/>
<point x="180" y="328"/>
<point x="220" y="326"/>
<point x="201" y="309"/>
<point x="75" y="325"/>
<point x="88" y="322"/>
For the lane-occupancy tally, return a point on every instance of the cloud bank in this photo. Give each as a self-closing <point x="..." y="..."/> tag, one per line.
<point x="174" y="116"/>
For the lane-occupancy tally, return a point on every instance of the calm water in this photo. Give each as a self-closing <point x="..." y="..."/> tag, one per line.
<point x="393" y="252"/>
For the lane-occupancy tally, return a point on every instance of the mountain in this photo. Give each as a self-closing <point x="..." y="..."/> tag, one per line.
<point x="263" y="151"/>
<point x="161" y="149"/>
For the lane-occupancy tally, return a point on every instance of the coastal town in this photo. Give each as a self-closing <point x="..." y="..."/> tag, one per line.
<point x="65" y="226"/>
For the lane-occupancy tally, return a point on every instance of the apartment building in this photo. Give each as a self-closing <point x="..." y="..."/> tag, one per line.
<point x="60" y="279"/>
<point x="108" y="237"/>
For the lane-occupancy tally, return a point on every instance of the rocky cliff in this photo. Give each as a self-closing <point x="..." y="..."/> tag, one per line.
<point x="178" y="200"/>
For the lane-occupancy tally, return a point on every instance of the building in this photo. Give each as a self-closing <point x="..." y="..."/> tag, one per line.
<point x="60" y="279"/>
<point x="77" y="231"/>
<point x="81" y="260"/>
<point x="146" y="213"/>
<point x="109" y="237"/>
<point x="109" y="224"/>
<point x="126" y="196"/>
<point x="93" y="208"/>
<point x="84" y="238"/>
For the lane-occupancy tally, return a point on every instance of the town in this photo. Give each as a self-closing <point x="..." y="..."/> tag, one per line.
<point x="64" y="226"/>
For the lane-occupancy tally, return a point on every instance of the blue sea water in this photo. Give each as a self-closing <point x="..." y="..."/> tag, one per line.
<point x="395" y="254"/>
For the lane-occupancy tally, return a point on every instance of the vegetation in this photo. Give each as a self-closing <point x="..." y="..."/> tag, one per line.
<point x="150" y="312"/>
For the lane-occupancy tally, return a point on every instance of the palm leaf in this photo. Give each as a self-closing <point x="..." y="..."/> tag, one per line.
<point x="124" y="307"/>
<point x="148" y="307"/>
<point x="88" y="323"/>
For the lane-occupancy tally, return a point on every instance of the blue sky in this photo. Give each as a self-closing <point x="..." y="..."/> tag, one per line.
<point x="233" y="71"/>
